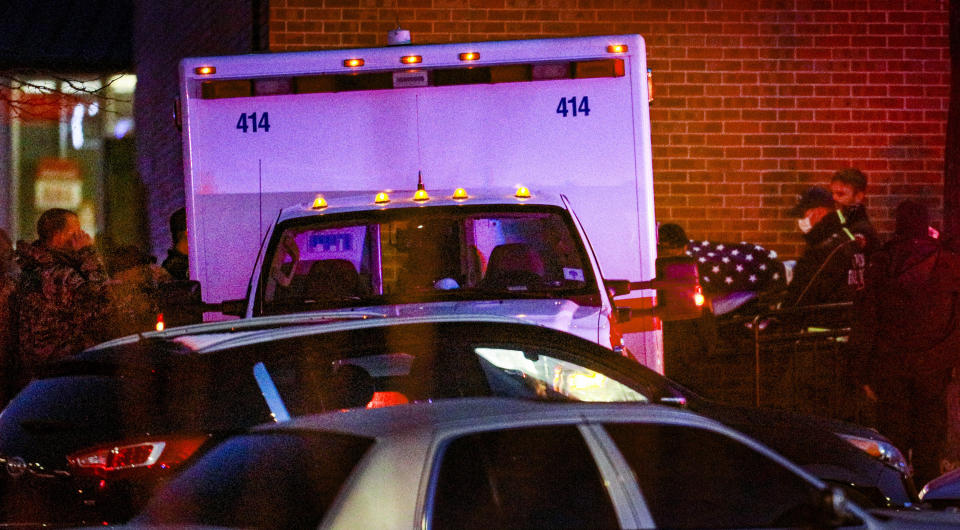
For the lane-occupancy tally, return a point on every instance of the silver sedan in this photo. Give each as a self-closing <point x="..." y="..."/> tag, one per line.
<point x="506" y="463"/>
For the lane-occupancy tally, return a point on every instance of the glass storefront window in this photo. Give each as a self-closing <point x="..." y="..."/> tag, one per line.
<point x="66" y="140"/>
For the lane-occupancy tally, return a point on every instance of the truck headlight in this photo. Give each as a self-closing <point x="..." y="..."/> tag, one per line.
<point x="885" y="452"/>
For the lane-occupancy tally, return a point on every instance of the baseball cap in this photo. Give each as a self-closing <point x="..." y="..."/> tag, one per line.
<point x="672" y="234"/>
<point x="812" y="198"/>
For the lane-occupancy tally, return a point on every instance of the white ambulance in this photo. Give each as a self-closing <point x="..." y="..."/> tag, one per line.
<point x="507" y="177"/>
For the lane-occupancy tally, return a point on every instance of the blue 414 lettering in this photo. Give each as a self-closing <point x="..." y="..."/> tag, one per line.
<point x="254" y="122"/>
<point x="575" y="106"/>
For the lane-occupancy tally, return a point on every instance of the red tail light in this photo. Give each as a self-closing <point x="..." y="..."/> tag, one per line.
<point x="135" y="456"/>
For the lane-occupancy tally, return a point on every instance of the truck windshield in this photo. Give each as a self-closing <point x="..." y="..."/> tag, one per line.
<point x="410" y="255"/>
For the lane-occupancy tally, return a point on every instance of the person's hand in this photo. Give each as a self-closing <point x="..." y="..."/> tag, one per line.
<point x="80" y="240"/>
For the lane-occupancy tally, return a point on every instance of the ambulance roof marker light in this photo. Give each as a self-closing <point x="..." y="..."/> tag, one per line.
<point x="522" y="193"/>
<point x="319" y="203"/>
<point x="617" y="48"/>
<point x="353" y="63"/>
<point x="411" y="59"/>
<point x="381" y="198"/>
<point x="205" y="70"/>
<point x="469" y="56"/>
<point x="460" y="194"/>
<point x="421" y="194"/>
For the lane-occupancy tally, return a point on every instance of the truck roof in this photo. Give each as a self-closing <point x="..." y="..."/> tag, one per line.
<point x="358" y="202"/>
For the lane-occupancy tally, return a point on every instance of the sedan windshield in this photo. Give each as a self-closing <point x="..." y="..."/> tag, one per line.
<point x="411" y="255"/>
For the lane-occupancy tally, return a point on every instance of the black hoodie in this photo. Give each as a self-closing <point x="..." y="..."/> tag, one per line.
<point x="909" y="312"/>
<point x="831" y="269"/>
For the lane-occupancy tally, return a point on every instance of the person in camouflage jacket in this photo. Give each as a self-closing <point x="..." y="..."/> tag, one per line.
<point x="136" y="290"/>
<point x="61" y="293"/>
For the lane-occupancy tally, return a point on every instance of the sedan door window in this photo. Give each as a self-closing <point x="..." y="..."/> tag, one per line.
<point x="541" y="477"/>
<point x="695" y="478"/>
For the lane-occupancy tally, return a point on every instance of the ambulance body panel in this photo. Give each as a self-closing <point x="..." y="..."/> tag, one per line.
<point x="559" y="116"/>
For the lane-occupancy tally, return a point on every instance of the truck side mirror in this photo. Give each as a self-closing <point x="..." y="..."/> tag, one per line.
<point x="181" y="303"/>
<point x="236" y="308"/>
<point x="679" y="295"/>
<point x="617" y="287"/>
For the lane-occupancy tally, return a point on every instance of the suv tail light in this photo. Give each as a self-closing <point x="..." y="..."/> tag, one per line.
<point x="135" y="456"/>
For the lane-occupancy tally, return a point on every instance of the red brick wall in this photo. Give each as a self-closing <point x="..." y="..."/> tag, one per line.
<point x="755" y="99"/>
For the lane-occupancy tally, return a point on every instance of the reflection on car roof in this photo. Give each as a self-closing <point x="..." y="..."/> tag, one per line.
<point x="209" y="337"/>
<point x="378" y="422"/>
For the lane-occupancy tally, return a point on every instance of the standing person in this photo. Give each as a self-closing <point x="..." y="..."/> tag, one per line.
<point x="8" y="378"/>
<point x="906" y="335"/>
<point x="849" y="187"/>
<point x="177" y="262"/>
<point x="61" y="293"/>
<point x="687" y="344"/>
<point x="135" y="290"/>
<point x="831" y="268"/>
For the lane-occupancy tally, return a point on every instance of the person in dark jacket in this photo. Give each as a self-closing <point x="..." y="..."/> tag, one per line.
<point x="831" y="268"/>
<point x="906" y="335"/>
<point x="61" y="293"/>
<point x="177" y="262"/>
<point x="849" y="188"/>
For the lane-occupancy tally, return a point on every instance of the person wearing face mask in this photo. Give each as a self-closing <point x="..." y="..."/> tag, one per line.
<point x="831" y="268"/>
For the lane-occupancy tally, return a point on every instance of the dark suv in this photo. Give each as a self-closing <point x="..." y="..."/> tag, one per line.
<point x="88" y="442"/>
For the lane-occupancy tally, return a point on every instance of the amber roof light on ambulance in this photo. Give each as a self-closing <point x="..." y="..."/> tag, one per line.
<point x="411" y="59"/>
<point x="617" y="48"/>
<point x="522" y="193"/>
<point x="319" y="203"/>
<point x="353" y="63"/>
<point x="205" y="70"/>
<point x="381" y="198"/>
<point x="421" y="195"/>
<point x="460" y="194"/>
<point x="469" y="56"/>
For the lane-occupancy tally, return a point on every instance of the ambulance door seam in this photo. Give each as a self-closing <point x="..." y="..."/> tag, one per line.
<point x="419" y="147"/>
<point x="260" y="195"/>
<point x="636" y="166"/>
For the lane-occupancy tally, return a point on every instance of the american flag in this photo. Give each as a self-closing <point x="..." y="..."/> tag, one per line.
<point x="730" y="267"/>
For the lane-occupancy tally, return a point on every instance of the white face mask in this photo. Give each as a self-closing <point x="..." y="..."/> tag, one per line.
<point x="805" y="224"/>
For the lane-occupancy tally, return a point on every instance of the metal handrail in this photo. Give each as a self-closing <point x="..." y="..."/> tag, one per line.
<point x="801" y="333"/>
